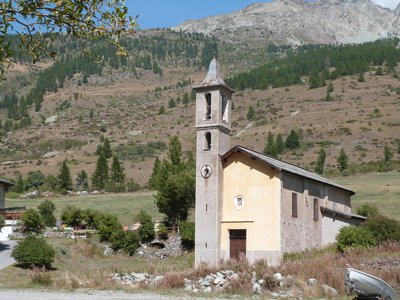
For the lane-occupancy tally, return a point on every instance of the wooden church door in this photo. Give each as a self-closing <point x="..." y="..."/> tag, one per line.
<point x="237" y="244"/>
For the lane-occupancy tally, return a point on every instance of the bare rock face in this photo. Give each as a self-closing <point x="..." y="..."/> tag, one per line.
<point x="297" y="22"/>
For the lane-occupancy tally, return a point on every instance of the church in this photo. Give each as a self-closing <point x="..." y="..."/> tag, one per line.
<point x="250" y="205"/>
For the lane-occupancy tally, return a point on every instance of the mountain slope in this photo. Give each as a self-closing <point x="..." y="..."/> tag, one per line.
<point x="296" y="22"/>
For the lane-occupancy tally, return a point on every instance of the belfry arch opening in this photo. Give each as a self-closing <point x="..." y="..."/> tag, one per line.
<point x="224" y="109"/>
<point x="207" y="141"/>
<point x="208" y="106"/>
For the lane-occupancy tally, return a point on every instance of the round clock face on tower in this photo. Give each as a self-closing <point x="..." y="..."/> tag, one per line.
<point x="206" y="171"/>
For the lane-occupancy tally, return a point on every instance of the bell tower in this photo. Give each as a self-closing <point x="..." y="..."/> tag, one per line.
<point x="213" y="130"/>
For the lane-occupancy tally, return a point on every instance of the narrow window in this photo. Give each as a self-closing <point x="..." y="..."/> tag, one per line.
<point x="294" y="205"/>
<point x="206" y="207"/>
<point x="207" y="145"/>
<point x="315" y="209"/>
<point x="224" y="111"/>
<point x="208" y="106"/>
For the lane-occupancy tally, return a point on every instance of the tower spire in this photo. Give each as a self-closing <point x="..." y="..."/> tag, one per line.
<point x="213" y="77"/>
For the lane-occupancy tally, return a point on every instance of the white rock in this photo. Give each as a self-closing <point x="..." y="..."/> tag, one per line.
<point x="51" y="120"/>
<point x="50" y="154"/>
<point x="311" y="281"/>
<point x="329" y="291"/>
<point x="188" y="288"/>
<point x="157" y="280"/>
<point x="278" y="276"/>
<point x="208" y="289"/>
<point x="257" y="289"/>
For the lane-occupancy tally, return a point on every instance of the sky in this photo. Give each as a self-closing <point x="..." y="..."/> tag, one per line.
<point x="168" y="13"/>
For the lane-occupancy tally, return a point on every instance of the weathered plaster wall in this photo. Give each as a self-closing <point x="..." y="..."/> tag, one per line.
<point x="303" y="232"/>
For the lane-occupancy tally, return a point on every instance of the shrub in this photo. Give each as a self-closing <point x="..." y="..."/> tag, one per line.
<point x="131" y="242"/>
<point x="33" y="252"/>
<point x="162" y="232"/>
<point x="117" y="240"/>
<point x="92" y="218"/>
<point x="367" y="210"/>
<point x="127" y="241"/>
<point x="2" y="222"/>
<point x="32" y="221"/>
<point x="71" y="215"/>
<point x="107" y="225"/>
<point x="146" y="230"/>
<point x="383" y="228"/>
<point x="46" y="210"/>
<point x="186" y="230"/>
<point x="354" y="237"/>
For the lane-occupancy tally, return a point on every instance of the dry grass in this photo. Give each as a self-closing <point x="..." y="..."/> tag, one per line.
<point x="81" y="264"/>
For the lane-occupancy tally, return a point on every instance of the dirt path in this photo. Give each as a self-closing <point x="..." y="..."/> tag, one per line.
<point x="97" y="295"/>
<point x="5" y="252"/>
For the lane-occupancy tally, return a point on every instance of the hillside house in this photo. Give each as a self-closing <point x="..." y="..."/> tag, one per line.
<point x="249" y="204"/>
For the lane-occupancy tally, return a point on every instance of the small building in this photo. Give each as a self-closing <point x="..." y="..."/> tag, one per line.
<point x="4" y="186"/>
<point x="8" y="228"/>
<point x="252" y="205"/>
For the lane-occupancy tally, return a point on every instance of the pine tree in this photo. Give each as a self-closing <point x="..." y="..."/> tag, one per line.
<point x="193" y="95"/>
<point x="171" y="103"/>
<point x="320" y="164"/>
<point x="293" y="140"/>
<point x="361" y="77"/>
<point x="175" y="151"/>
<point x="161" y="111"/>
<point x="19" y="186"/>
<point x="387" y="154"/>
<point x="279" y="145"/>
<point x="175" y="184"/>
<point x="185" y="99"/>
<point x="107" y="148"/>
<point x="270" y="147"/>
<point x="64" y="178"/>
<point x="117" y="175"/>
<point x="100" y="175"/>
<point x="342" y="160"/>
<point x="330" y="88"/>
<point x="251" y="113"/>
<point x="154" y="173"/>
<point x="82" y="183"/>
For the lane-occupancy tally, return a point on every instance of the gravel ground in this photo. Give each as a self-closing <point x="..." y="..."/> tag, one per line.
<point x="97" y="295"/>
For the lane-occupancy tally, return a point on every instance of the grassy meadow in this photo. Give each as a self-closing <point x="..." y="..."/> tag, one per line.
<point x="124" y="206"/>
<point x="379" y="189"/>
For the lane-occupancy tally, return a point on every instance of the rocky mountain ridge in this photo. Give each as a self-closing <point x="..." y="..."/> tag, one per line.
<point x="296" y="22"/>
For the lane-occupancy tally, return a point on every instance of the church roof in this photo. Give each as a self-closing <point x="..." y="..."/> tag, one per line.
<point x="284" y="166"/>
<point x="213" y="77"/>
<point x="6" y="182"/>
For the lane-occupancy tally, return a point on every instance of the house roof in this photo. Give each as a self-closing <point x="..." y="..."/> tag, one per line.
<point x="333" y="213"/>
<point x="213" y="77"/>
<point x="6" y="182"/>
<point x="283" y="166"/>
